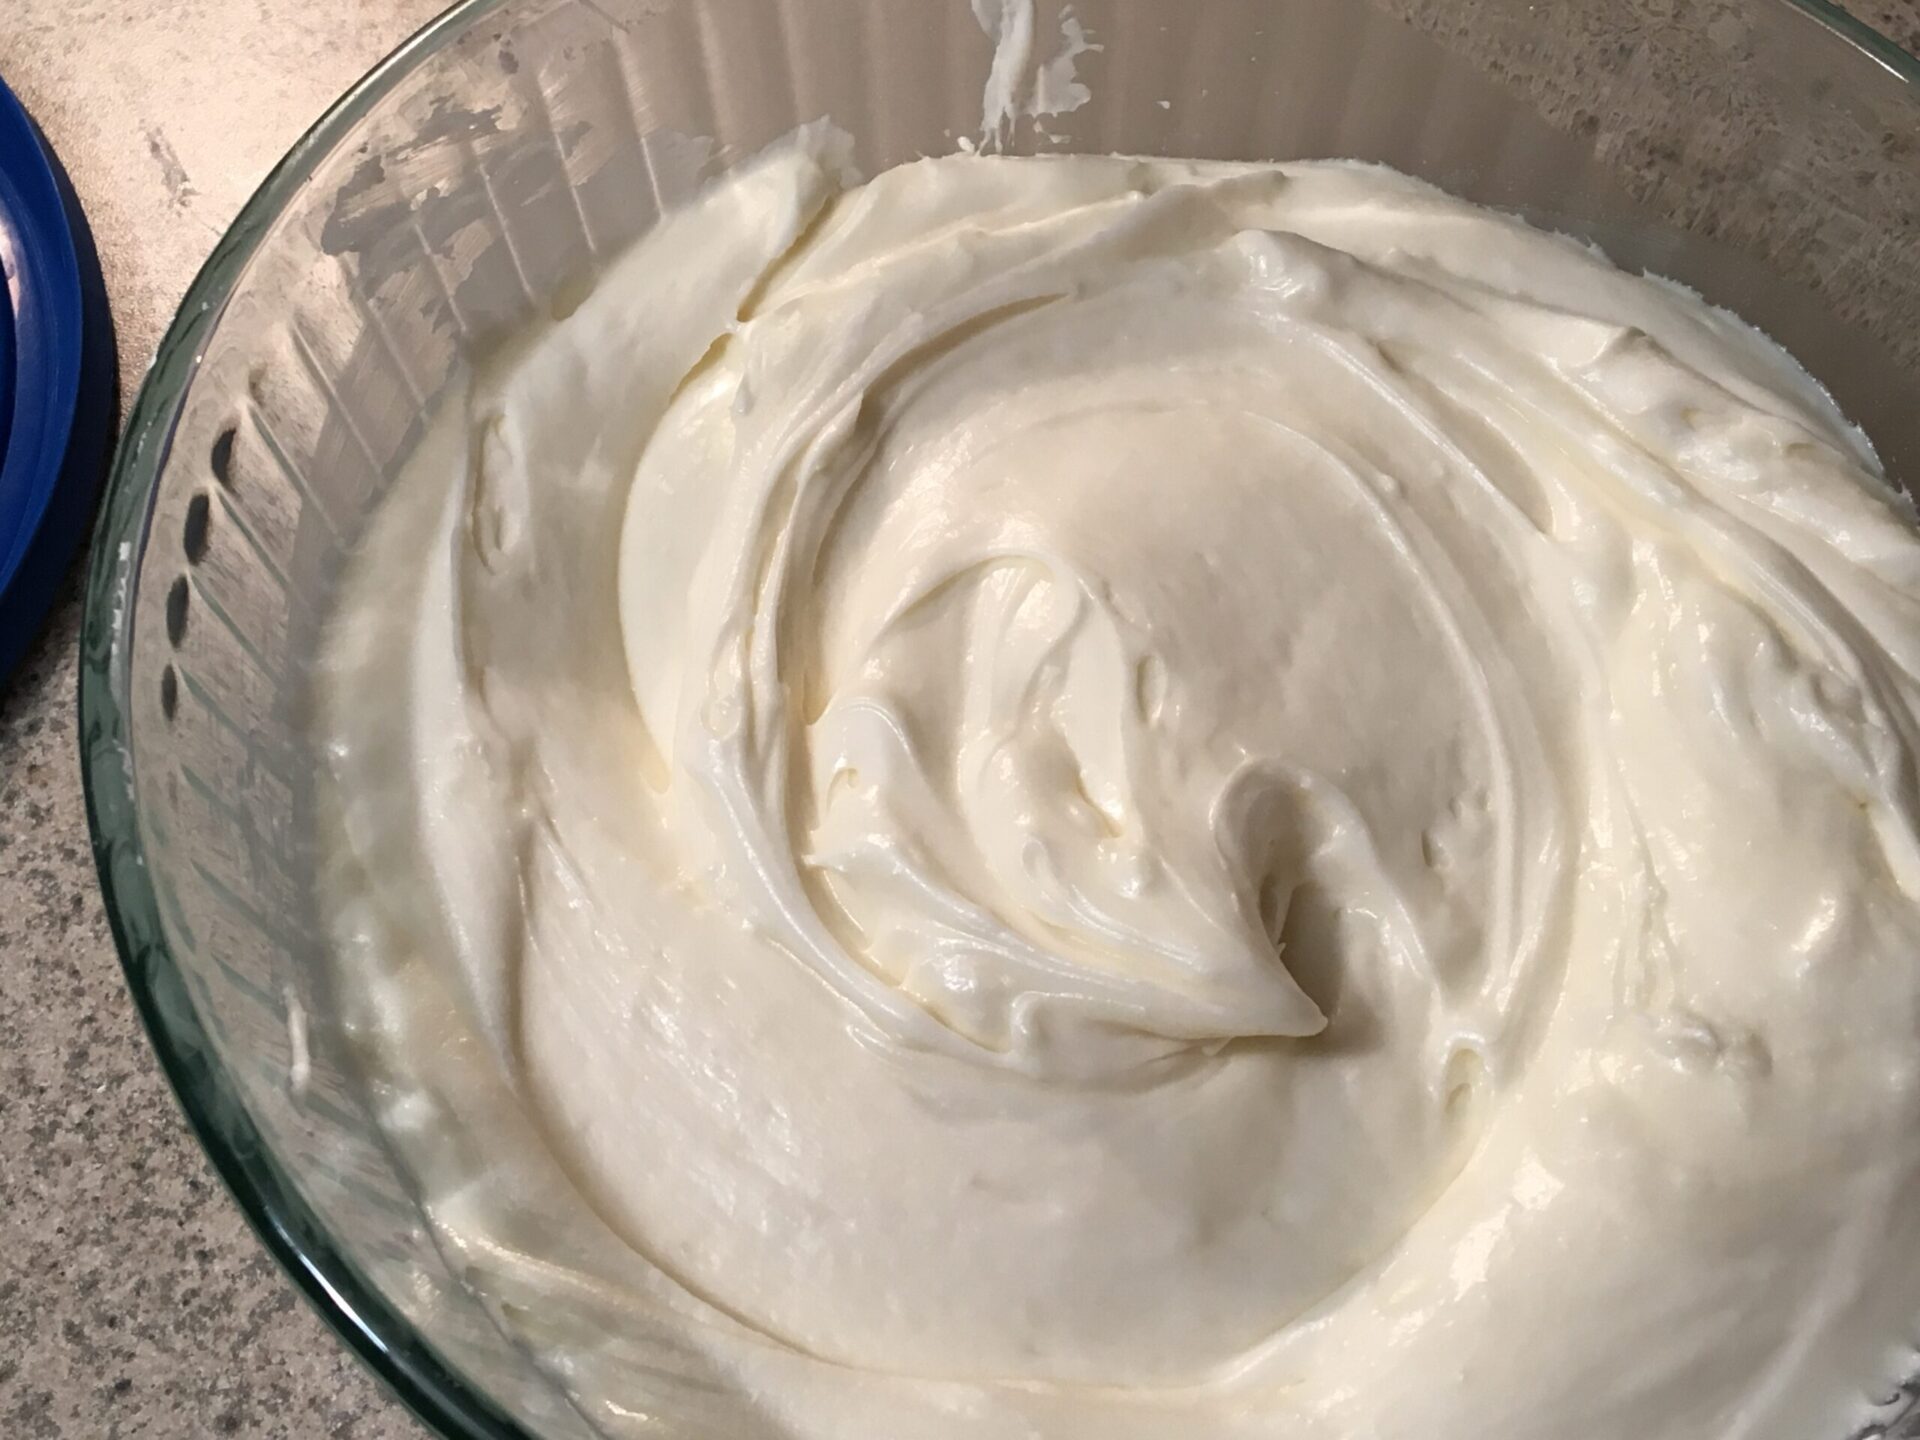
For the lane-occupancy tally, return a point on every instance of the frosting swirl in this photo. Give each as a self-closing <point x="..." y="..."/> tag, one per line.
<point x="1148" y="798"/>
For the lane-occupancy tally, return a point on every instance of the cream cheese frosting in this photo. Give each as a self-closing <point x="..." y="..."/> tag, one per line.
<point x="1088" y="797"/>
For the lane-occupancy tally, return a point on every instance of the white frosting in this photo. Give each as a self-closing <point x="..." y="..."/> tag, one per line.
<point x="1016" y="86"/>
<point x="1107" y="798"/>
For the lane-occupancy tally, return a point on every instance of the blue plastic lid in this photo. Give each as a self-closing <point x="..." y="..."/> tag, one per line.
<point x="56" y="379"/>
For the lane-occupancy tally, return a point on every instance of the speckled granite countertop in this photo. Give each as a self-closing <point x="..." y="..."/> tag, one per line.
<point x="133" y="1300"/>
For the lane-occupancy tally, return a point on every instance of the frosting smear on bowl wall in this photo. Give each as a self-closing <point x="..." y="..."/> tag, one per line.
<point x="1103" y="797"/>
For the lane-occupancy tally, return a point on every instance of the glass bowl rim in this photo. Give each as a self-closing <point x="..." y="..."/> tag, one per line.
<point x="266" y="1192"/>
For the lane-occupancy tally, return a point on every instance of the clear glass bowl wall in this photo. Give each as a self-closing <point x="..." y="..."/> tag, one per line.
<point x="1766" y="152"/>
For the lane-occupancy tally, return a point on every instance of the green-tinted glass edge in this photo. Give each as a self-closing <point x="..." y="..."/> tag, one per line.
<point x="1857" y="32"/>
<point x="266" y="1193"/>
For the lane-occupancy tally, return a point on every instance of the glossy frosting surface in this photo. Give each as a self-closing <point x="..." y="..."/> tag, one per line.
<point x="1091" y="797"/>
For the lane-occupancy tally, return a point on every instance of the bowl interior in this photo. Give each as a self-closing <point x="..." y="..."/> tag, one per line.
<point x="1765" y="152"/>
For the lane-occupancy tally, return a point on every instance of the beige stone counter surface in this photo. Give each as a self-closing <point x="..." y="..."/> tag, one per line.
<point x="133" y="1300"/>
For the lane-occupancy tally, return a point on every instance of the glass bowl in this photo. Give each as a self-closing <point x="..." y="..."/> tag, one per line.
<point x="1766" y="152"/>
